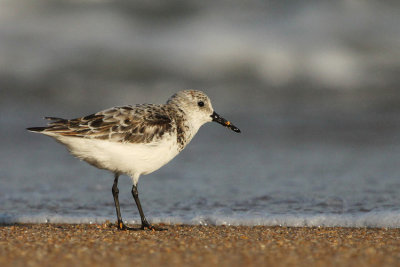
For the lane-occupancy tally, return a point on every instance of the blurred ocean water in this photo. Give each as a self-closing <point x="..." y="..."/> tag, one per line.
<point x="313" y="85"/>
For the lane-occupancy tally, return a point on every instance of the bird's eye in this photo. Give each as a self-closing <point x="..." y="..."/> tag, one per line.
<point x="200" y="103"/>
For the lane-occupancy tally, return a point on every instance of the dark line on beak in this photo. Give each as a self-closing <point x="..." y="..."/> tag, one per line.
<point x="217" y="118"/>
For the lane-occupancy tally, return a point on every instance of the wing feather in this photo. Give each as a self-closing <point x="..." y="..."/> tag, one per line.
<point x="138" y="124"/>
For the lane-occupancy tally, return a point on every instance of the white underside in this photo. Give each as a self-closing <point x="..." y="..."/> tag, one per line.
<point x="131" y="159"/>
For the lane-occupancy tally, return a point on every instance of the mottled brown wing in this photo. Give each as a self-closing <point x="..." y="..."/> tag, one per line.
<point x="139" y="124"/>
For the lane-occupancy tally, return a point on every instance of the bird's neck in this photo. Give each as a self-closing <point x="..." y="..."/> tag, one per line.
<point x="186" y="127"/>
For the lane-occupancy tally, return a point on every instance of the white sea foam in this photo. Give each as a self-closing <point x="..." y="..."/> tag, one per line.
<point x="382" y="219"/>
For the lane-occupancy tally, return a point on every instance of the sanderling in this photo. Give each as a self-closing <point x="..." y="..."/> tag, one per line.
<point x="135" y="140"/>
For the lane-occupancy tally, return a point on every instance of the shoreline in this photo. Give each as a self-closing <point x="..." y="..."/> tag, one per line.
<point x="103" y="244"/>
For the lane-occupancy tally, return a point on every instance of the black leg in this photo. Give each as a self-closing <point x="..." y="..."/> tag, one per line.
<point x="145" y="224"/>
<point x="115" y="192"/>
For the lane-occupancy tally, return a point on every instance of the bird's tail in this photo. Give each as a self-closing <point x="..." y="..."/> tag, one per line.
<point x="36" y="129"/>
<point x="54" y="120"/>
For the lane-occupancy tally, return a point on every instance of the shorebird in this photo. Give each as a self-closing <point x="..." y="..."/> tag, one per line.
<point x="135" y="140"/>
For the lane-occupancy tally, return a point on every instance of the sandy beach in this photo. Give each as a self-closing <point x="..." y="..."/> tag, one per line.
<point x="182" y="245"/>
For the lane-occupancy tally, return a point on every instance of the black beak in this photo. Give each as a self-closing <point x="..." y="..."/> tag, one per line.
<point x="217" y="118"/>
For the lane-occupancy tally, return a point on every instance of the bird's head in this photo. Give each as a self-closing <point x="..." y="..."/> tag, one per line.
<point x="197" y="106"/>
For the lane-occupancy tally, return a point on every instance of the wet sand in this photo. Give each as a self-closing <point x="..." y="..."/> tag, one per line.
<point x="104" y="245"/>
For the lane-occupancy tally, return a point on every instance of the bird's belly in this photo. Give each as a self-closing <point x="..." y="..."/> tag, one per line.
<point x="128" y="158"/>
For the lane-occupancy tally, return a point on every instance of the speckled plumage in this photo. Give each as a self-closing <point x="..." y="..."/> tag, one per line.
<point x="138" y="124"/>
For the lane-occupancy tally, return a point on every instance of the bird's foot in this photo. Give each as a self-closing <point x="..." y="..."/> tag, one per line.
<point x="145" y="226"/>
<point x="148" y="226"/>
<point x="121" y="226"/>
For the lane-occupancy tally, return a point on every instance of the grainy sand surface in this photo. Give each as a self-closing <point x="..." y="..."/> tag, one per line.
<point x="104" y="245"/>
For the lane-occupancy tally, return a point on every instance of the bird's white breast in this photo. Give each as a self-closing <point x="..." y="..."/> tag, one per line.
<point x="127" y="158"/>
